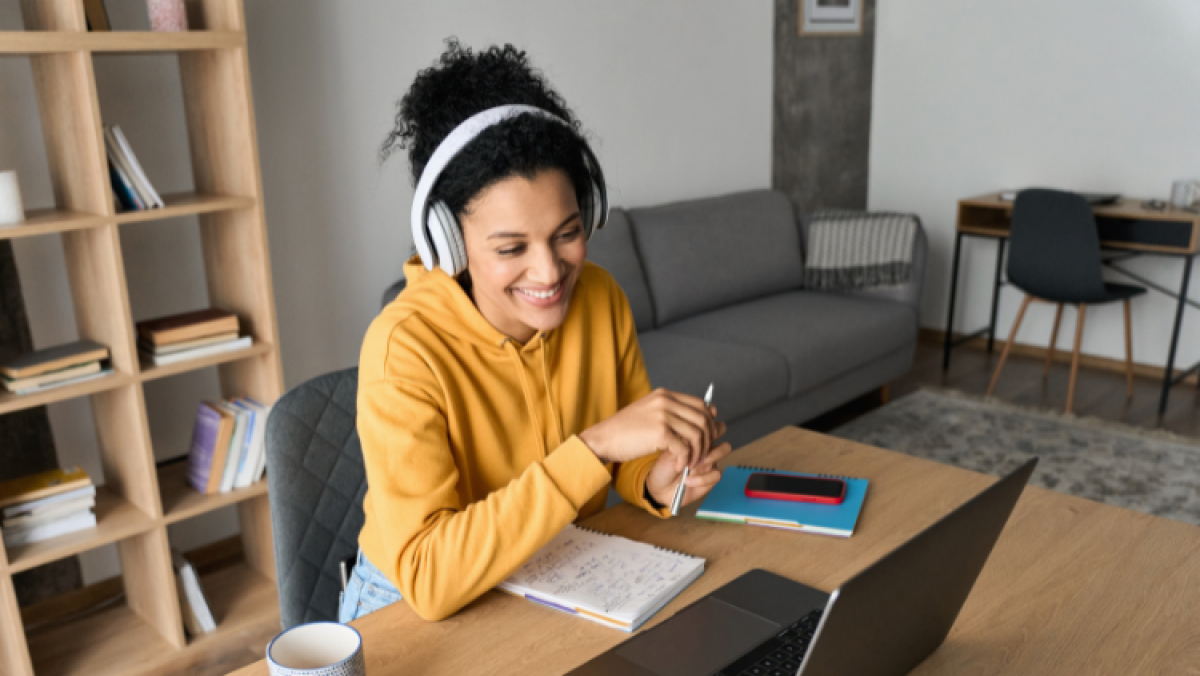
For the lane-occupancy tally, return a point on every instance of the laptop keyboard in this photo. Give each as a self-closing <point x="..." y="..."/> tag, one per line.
<point x="779" y="655"/>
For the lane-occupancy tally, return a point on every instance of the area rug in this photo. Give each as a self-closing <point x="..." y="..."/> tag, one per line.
<point x="1152" y="472"/>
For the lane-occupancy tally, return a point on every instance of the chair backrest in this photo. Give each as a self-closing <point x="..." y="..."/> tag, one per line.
<point x="1054" y="249"/>
<point x="317" y="484"/>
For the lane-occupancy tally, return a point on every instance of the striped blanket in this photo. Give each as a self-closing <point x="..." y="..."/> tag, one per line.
<point x="855" y="250"/>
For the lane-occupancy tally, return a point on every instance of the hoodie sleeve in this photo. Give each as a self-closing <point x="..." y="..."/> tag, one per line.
<point x="633" y="383"/>
<point x="440" y="553"/>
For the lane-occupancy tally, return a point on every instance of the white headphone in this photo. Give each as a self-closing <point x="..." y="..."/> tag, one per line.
<point x="437" y="233"/>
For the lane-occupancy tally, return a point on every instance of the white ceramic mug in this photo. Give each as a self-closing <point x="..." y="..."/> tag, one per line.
<point x="317" y="649"/>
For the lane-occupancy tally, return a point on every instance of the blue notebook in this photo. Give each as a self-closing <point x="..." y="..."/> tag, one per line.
<point x="728" y="502"/>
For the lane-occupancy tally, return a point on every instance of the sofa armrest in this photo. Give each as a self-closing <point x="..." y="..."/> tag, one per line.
<point x="909" y="293"/>
<point x="394" y="290"/>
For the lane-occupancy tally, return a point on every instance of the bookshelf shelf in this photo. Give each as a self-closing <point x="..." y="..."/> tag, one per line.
<point x="138" y="501"/>
<point x="116" y="42"/>
<point x="10" y="403"/>
<point x="117" y="641"/>
<point x="152" y="372"/>
<point x="239" y="596"/>
<point x="180" y="501"/>
<point x="100" y="644"/>
<point x="50" y="221"/>
<point x="186" y="204"/>
<point x="116" y="520"/>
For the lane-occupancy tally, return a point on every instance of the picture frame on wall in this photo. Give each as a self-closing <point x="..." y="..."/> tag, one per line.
<point x="830" y="17"/>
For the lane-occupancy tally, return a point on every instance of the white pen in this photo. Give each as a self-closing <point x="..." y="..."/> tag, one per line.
<point x="687" y="470"/>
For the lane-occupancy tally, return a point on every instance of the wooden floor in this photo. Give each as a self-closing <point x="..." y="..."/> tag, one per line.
<point x="1100" y="394"/>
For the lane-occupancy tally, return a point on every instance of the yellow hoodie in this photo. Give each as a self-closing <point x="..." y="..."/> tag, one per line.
<point x="469" y="437"/>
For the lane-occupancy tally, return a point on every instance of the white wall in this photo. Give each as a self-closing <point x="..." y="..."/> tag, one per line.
<point x="676" y="95"/>
<point x="972" y="97"/>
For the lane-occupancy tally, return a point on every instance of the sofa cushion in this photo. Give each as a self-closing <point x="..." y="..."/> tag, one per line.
<point x="745" y="378"/>
<point x="612" y="249"/>
<point x="820" y="335"/>
<point x="706" y="254"/>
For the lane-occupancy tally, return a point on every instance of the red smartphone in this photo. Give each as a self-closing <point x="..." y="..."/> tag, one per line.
<point x="767" y="486"/>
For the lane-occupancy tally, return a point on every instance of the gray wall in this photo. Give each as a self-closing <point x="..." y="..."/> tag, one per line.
<point x="822" y="112"/>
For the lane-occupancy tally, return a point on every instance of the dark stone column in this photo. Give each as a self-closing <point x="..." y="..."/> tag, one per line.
<point x="822" y="112"/>
<point x="26" y="445"/>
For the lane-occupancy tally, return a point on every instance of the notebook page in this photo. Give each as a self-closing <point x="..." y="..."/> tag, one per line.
<point x="603" y="574"/>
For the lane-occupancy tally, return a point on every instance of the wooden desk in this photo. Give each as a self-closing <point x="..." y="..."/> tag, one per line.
<point x="1073" y="587"/>
<point x="1127" y="227"/>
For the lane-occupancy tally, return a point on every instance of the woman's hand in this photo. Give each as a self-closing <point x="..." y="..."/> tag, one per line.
<point x="677" y="424"/>
<point x="664" y="476"/>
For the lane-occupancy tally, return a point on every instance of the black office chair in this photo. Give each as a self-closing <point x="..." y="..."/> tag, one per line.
<point x="317" y="484"/>
<point x="1054" y="257"/>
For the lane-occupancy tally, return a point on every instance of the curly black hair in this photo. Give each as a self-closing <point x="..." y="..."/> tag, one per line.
<point x="462" y="83"/>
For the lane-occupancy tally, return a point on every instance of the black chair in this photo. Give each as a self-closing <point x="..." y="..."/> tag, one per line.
<point x="317" y="484"/>
<point x="1054" y="257"/>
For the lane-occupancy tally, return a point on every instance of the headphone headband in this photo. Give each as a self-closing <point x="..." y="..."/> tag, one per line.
<point x="450" y="146"/>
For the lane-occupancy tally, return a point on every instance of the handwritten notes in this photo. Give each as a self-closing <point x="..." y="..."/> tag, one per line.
<point x="604" y="574"/>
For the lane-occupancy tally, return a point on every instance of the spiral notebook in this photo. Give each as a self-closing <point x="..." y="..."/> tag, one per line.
<point x="728" y="502"/>
<point x="604" y="578"/>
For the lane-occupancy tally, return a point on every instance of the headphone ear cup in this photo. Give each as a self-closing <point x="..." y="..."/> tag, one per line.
<point x="447" y="237"/>
<point x="597" y="210"/>
<point x="595" y="213"/>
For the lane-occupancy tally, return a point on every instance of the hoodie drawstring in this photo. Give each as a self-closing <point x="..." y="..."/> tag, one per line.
<point x="537" y="422"/>
<point x="550" y="393"/>
<point x="515" y="354"/>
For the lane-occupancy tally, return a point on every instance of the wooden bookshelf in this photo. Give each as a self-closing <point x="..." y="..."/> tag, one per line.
<point x="138" y="501"/>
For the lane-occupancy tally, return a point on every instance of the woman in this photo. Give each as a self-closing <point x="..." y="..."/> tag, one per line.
<point x="504" y="390"/>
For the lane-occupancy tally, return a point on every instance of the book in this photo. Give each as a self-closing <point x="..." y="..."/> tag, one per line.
<point x="187" y="326"/>
<point x="255" y="442"/>
<point x="15" y="537"/>
<point x="139" y="173"/>
<point x="97" y="16"/>
<point x="237" y="445"/>
<point x="51" y="377"/>
<point x="197" y="615"/>
<point x="33" y="506"/>
<point x="604" y="578"/>
<point x="260" y="467"/>
<point x="728" y="502"/>
<point x="210" y="445"/>
<point x="54" y="358"/>
<point x="151" y="349"/>
<point x="53" y="512"/>
<point x="42" y="485"/>
<point x="126" y="166"/>
<point x="124" y="188"/>
<point x="28" y="389"/>
<point x="216" y="348"/>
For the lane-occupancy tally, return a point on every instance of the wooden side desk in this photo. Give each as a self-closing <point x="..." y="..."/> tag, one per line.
<point x="1127" y="227"/>
<point x="1072" y="587"/>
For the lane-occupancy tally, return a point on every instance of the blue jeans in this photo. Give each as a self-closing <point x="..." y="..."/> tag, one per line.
<point x="368" y="591"/>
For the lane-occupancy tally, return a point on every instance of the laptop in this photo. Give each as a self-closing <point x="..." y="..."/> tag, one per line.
<point x="883" y="621"/>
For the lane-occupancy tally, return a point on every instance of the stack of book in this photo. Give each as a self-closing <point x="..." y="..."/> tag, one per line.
<point x="131" y="189"/>
<point x="41" y="506"/>
<point x="228" y="445"/>
<point x="54" y="367"/>
<point x="177" y="338"/>
<point x="197" y="616"/>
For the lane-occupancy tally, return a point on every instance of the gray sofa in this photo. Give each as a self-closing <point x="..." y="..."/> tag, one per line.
<point x="716" y="289"/>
